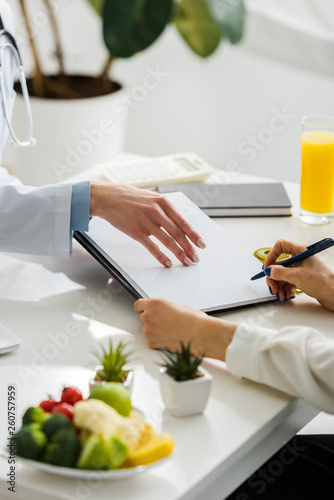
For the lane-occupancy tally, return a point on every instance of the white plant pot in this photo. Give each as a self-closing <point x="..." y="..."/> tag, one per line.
<point x="72" y="135"/>
<point x="185" y="398"/>
<point x="128" y="382"/>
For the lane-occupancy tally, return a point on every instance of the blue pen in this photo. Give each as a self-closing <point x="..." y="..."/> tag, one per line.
<point x="311" y="250"/>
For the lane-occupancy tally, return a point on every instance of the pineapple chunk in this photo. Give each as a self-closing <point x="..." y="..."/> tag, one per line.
<point x="150" y="450"/>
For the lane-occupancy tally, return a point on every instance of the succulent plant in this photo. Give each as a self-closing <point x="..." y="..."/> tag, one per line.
<point x="182" y="364"/>
<point x="112" y="362"/>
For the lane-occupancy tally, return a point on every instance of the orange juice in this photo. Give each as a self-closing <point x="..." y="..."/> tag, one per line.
<point x="317" y="172"/>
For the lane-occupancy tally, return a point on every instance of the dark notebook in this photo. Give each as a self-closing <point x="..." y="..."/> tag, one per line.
<point x="235" y="200"/>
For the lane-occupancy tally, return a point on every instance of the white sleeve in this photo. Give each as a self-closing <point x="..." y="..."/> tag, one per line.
<point x="297" y="360"/>
<point x="34" y="220"/>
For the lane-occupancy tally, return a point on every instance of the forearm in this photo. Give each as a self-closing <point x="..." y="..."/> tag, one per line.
<point x="326" y="293"/>
<point x="215" y="336"/>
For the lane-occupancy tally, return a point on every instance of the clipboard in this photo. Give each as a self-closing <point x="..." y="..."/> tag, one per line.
<point x="91" y="247"/>
<point x="219" y="282"/>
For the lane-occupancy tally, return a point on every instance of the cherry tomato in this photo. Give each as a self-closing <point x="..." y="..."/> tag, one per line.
<point x="48" y="404"/>
<point x="70" y="395"/>
<point x="64" y="408"/>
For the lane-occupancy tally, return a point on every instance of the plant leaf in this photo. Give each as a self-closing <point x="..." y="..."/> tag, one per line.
<point x="130" y="26"/>
<point x="181" y="365"/>
<point x="197" y="26"/>
<point x="230" y="17"/>
<point x="97" y="5"/>
<point x="113" y="360"/>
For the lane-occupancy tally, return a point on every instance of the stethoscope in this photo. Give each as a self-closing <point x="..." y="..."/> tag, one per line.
<point x="12" y="46"/>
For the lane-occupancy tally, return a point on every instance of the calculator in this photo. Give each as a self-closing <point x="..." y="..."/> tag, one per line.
<point x="148" y="173"/>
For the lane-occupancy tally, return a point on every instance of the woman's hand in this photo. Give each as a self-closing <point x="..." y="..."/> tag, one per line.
<point x="310" y="275"/>
<point x="166" y="324"/>
<point x="140" y="214"/>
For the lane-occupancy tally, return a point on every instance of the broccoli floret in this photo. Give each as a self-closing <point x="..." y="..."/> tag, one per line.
<point x="64" y="449"/>
<point x="36" y="426"/>
<point x="118" y="451"/>
<point x="35" y="414"/>
<point x="57" y="422"/>
<point x="102" y="452"/>
<point x="94" y="454"/>
<point x="30" y="442"/>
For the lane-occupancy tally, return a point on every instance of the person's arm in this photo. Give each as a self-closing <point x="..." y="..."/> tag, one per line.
<point x="166" y="324"/>
<point x="138" y="213"/>
<point x="297" y="360"/>
<point x="34" y="220"/>
<point x="41" y="220"/>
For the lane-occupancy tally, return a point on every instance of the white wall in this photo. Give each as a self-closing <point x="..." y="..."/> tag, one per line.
<point x="226" y="108"/>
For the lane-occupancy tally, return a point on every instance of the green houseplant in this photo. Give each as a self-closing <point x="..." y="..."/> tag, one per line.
<point x="184" y="384"/>
<point x="111" y="366"/>
<point x="129" y="27"/>
<point x="84" y="123"/>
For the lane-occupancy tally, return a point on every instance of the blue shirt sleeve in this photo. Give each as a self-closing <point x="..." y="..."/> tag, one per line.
<point x="80" y="206"/>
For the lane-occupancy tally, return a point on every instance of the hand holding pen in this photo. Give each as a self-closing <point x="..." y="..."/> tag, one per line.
<point x="311" y="275"/>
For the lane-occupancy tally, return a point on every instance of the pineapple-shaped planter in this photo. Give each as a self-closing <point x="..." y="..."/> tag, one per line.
<point x="111" y="367"/>
<point x="184" y="385"/>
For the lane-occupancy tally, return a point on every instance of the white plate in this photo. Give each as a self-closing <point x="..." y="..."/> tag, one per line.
<point x="88" y="474"/>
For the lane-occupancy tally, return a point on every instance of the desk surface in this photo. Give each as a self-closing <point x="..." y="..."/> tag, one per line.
<point x="60" y="308"/>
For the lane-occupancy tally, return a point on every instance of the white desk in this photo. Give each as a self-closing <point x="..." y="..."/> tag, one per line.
<point x="244" y="423"/>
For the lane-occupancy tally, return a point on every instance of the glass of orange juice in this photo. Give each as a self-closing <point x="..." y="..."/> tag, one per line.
<point x="317" y="170"/>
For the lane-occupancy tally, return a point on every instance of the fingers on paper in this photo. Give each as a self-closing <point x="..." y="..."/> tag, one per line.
<point x="176" y="234"/>
<point x="182" y="249"/>
<point x="178" y="238"/>
<point x="182" y="224"/>
<point x="156" y="252"/>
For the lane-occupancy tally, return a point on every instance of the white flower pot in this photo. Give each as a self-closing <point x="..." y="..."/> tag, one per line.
<point x="185" y="398"/>
<point x="128" y="382"/>
<point x="72" y="135"/>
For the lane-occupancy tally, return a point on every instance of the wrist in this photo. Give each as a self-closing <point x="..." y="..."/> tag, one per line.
<point x="93" y="199"/>
<point x="217" y="336"/>
<point x="101" y="198"/>
<point x="327" y="298"/>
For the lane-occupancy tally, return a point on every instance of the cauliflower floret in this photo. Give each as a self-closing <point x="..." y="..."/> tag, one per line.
<point x="99" y="418"/>
<point x="131" y="429"/>
<point x="96" y="416"/>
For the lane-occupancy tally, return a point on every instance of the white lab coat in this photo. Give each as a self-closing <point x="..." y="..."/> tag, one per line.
<point x="298" y="360"/>
<point x="32" y="220"/>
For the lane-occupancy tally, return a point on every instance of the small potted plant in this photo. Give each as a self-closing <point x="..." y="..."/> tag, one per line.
<point x="184" y="384"/>
<point x="111" y="367"/>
